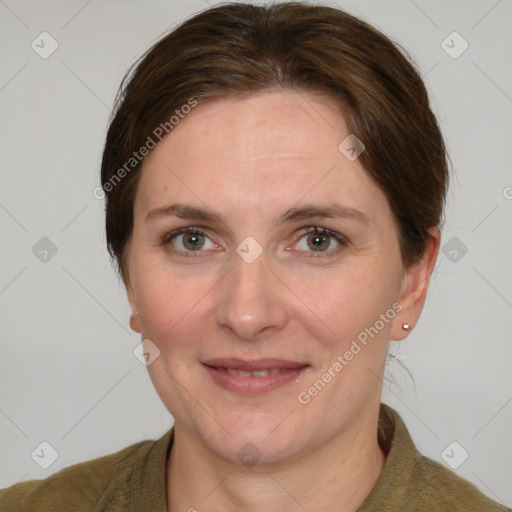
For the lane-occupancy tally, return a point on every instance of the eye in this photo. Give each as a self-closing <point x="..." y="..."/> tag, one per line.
<point x="318" y="240"/>
<point x="189" y="239"/>
<point x="193" y="239"/>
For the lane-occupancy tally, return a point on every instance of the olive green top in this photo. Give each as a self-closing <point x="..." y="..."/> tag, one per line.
<point x="134" y="479"/>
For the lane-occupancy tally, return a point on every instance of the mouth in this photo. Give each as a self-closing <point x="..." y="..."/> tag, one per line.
<point x="253" y="377"/>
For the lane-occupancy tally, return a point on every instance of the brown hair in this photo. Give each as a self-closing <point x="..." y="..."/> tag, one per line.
<point x="239" y="48"/>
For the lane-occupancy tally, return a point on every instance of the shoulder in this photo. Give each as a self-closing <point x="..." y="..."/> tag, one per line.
<point x="79" y="487"/>
<point x="411" y="481"/>
<point x="442" y="490"/>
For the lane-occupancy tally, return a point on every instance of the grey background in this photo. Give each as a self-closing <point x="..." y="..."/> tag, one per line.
<point x="68" y="375"/>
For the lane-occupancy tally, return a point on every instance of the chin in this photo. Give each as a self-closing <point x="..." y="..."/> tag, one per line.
<point x="254" y="440"/>
<point x="250" y="451"/>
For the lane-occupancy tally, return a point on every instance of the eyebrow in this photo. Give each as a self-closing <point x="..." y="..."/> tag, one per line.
<point x="308" y="211"/>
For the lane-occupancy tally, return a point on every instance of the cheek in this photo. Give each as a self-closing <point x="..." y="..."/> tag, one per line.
<point x="350" y="301"/>
<point x="167" y="303"/>
<point x="175" y="309"/>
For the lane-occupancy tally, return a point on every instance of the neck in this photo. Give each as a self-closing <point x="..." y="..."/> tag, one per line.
<point x="345" y="469"/>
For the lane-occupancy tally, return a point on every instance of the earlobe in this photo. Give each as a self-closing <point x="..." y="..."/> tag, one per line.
<point x="134" y="321"/>
<point x="414" y="288"/>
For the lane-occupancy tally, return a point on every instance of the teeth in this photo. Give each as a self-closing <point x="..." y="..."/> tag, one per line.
<point x="256" y="373"/>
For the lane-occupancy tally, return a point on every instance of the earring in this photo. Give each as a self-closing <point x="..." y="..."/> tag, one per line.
<point x="406" y="327"/>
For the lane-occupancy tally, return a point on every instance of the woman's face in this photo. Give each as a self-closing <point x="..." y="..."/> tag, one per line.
<point x="258" y="284"/>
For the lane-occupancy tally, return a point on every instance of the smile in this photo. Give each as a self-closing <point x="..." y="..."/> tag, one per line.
<point x="253" y="377"/>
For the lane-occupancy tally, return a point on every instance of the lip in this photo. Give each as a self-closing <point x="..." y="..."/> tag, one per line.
<point x="253" y="385"/>
<point x="252" y="365"/>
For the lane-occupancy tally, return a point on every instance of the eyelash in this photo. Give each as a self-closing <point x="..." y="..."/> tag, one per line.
<point x="342" y="240"/>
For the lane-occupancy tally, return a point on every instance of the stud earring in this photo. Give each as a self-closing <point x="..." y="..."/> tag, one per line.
<point x="406" y="327"/>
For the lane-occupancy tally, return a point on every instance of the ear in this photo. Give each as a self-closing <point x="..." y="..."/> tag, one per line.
<point x="414" y="287"/>
<point x="134" y="321"/>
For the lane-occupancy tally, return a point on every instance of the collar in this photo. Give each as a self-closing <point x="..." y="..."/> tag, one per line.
<point x="402" y="458"/>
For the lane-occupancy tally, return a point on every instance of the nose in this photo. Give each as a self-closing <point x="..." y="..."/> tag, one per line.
<point x="251" y="301"/>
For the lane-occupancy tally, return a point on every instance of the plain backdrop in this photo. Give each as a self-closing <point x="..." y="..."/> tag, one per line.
<point x="68" y="374"/>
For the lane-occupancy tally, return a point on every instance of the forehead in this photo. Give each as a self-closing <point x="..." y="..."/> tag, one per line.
<point x="256" y="153"/>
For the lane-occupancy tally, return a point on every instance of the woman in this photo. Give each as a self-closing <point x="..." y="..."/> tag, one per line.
<point x="274" y="183"/>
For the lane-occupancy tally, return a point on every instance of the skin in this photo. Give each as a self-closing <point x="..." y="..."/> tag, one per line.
<point x="251" y="159"/>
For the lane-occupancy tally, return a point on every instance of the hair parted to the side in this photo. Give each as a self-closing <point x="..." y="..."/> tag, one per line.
<point x="237" y="49"/>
